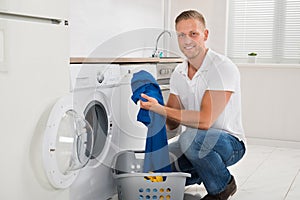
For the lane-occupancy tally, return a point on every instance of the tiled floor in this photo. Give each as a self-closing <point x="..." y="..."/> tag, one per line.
<point x="265" y="173"/>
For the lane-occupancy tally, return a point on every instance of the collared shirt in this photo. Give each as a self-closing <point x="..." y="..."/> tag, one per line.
<point x="217" y="73"/>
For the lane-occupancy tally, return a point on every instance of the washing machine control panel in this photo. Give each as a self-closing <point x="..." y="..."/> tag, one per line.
<point x="109" y="75"/>
<point x="94" y="75"/>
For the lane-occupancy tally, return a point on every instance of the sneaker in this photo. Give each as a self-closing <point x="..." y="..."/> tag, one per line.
<point x="224" y="195"/>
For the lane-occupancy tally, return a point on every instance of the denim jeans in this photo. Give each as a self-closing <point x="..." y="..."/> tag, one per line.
<point x="206" y="154"/>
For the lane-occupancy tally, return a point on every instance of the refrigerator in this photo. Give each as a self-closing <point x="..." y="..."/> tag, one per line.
<point x="34" y="73"/>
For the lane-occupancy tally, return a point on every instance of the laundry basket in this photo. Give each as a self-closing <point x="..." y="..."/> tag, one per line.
<point x="132" y="184"/>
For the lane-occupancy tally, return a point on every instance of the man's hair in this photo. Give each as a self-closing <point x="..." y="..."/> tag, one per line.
<point x="190" y="14"/>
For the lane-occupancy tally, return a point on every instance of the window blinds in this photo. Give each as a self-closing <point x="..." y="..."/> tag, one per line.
<point x="270" y="28"/>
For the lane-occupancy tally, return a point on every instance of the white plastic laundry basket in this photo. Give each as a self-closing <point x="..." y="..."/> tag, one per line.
<point x="132" y="184"/>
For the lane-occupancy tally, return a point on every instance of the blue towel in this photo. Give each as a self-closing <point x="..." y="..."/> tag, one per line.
<point x="156" y="150"/>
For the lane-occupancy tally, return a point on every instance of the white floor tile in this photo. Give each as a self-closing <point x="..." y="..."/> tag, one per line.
<point x="294" y="192"/>
<point x="252" y="160"/>
<point x="196" y="190"/>
<point x="266" y="174"/>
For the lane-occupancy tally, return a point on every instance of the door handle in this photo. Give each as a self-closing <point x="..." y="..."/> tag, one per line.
<point x="3" y="67"/>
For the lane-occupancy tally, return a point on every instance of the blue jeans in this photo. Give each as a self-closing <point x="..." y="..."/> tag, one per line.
<point x="206" y="154"/>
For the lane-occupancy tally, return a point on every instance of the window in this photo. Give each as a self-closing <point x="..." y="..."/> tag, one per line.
<point x="270" y="28"/>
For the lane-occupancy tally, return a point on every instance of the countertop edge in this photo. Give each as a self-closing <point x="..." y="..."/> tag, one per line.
<point x="83" y="60"/>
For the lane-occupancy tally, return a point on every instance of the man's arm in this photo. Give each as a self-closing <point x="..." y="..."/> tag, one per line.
<point x="212" y="105"/>
<point x="173" y="102"/>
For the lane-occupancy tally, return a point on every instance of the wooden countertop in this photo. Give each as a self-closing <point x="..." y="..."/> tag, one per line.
<point x="83" y="60"/>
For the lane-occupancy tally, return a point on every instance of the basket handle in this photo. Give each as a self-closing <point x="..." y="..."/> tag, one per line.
<point x="114" y="160"/>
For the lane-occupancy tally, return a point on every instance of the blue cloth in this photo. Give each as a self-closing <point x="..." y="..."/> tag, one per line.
<point x="156" y="150"/>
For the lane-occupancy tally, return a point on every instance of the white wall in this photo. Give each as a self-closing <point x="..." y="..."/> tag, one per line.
<point x="108" y="26"/>
<point x="270" y="100"/>
<point x="111" y="28"/>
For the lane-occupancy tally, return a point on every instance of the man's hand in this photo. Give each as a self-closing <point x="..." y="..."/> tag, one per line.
<point x="151" y="104"/>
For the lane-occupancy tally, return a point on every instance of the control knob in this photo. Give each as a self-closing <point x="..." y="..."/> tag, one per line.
<point x="100" y="77"/>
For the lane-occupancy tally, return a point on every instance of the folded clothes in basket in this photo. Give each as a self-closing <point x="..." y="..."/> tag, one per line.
<point x="156" y="150"/>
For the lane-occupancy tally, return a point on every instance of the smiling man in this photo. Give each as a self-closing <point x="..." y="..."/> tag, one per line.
<point x="205" y="97"/>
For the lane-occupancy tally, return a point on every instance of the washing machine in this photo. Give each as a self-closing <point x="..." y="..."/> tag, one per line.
<point x="133" y="133"/>
<point x="82" y="133"/>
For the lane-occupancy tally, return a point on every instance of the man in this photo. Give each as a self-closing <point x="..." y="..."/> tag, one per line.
<point x="204" y="97"/>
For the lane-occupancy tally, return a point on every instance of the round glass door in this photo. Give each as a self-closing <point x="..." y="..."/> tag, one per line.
<point x="74" y="142"/>
<point x="68" y="143"/>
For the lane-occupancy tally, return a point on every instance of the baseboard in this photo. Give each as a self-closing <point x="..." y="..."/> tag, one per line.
<point x="273" y="143"/>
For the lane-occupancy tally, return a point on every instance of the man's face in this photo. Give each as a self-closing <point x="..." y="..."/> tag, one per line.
<point x="191" y="36"/>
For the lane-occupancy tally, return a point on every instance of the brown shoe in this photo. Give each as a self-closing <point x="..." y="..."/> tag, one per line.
<point x="224" y="195"/>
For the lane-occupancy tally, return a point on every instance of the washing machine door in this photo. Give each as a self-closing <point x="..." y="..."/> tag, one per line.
<point x="67" y="145"/>
<point x="97" y="112"/>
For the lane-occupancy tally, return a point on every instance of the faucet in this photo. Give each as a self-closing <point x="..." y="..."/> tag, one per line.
<point x="157" y="53"/>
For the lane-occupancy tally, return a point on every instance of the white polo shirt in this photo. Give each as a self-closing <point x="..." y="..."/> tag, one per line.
<point x="217" y="72"/>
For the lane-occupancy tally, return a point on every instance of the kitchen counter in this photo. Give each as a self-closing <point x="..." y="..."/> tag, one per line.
<point x="83" y="60"/>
